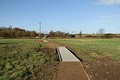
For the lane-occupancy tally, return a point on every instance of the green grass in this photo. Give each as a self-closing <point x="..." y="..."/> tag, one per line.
<point x="19" y="58"/>
<point x="92" y="49"/>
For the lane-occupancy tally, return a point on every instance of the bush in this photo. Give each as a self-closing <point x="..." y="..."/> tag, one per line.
<point x="109" y="35"/>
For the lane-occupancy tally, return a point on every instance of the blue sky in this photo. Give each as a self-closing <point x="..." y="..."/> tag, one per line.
<point x="62" y="15"/>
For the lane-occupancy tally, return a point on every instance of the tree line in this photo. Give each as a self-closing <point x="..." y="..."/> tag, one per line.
<point x="100" y="34"/>
<point x="59" y="34"/>
<point x="16" y="32"/>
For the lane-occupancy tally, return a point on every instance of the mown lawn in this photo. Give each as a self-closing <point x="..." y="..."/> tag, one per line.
<point x="92" y="49"/>
<point x="22" y="58"/>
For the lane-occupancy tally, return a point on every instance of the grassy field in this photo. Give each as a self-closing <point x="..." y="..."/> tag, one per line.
<point x="20" y="58"/>
<point x="92" y="49"/>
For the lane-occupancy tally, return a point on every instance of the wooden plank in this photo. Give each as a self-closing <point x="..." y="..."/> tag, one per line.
<point x="66" y="55"/>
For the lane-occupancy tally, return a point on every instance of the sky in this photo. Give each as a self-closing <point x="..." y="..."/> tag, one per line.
<point x="62" y="15"/>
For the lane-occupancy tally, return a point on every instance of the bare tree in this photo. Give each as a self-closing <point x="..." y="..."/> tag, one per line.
<point x="80" y="33"/>
<point x="101" y="31"/>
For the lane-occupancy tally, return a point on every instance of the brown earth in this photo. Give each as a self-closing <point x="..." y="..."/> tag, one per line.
<point x="103" y="69"/>
<point x="53" y="45"/>
<point x="70" y="71"/>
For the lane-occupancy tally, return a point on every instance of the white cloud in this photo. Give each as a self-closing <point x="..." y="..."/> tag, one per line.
<point x="107" y="2"/>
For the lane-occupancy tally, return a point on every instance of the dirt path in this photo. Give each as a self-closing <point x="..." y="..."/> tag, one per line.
<point x="105" y="69"/>
<point x="68" y="70"/>
<point x="53" y="45"/>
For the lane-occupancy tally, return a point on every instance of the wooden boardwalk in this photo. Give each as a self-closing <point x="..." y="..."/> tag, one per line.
<point x="70" y="67"/>
<point x="65" y="55"/>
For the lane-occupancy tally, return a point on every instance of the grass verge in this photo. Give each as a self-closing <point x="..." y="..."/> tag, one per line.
<point x="22" y="58"/>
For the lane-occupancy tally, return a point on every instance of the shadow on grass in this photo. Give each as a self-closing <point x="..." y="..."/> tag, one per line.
<point x="3" y="43"/>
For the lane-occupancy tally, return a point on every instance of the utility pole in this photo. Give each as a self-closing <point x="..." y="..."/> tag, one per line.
<point x="39" y="29"/>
